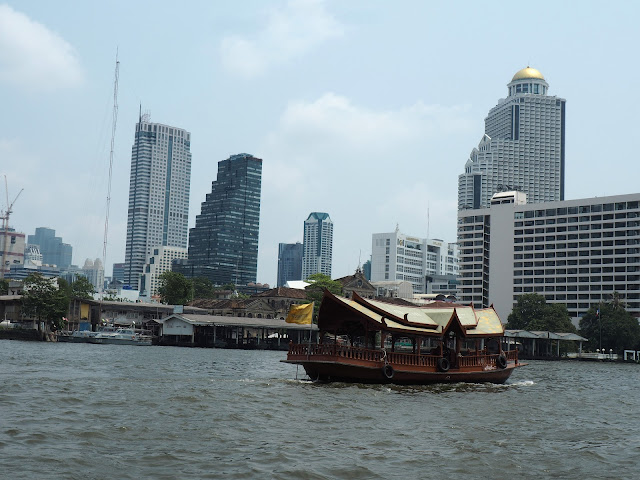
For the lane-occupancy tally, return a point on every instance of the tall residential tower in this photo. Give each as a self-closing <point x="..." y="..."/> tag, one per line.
<point x="223" y="245"/>
<point x="522" y="148"/>
<point x="158" y="193"/>
<point x="318" y="245"/>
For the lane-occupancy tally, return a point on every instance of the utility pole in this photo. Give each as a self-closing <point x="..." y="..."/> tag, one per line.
<point x="5" y="225"/>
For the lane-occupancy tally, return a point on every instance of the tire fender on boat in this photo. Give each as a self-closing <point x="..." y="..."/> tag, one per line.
<point x="388" y="371"/>
<point x="501" y="361"/>
<point x="443" y="364"/>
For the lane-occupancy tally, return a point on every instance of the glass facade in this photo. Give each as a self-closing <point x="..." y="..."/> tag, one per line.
<point x="289" y="262"/>
<point x="223" y="245"/>
<point x="53" y="250"/>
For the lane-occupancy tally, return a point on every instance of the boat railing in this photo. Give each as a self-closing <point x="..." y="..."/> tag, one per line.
<point x="479" y="359"/>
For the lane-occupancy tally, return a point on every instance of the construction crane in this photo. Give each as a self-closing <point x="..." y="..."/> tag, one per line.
<point x="4" y="215"/>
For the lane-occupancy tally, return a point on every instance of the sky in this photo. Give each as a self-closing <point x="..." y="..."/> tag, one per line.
<point x="366" y="109"/>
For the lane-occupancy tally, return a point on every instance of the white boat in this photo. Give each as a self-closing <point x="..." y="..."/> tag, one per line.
<point x="122" y="336"/>
<point x="81" y="336"/>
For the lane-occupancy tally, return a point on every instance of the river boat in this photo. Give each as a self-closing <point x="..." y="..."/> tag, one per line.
<point x="81" y="336"/>
<point x="405" y="343"/>
<point x="122" y="336"/>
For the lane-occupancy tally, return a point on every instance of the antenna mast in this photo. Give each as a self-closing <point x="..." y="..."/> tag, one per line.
<point x="113" y="136"/>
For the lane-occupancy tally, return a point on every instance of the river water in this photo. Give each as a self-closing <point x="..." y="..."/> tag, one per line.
<point x="82" y="411"/>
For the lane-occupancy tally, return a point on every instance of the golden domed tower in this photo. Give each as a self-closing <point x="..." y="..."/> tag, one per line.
<point x="522" y="148"/>
<point x="528" y="80"/>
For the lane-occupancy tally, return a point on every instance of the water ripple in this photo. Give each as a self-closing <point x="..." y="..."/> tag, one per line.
<point x="165" y="413"/>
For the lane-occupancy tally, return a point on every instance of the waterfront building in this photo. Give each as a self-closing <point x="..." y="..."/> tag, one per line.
<point x="522" y="147"/>
<point x="223" y="245"/>
<point x="574" y="252"/>
<point x="54" y="251"/>
<point x="289" y="262"/>
<point x="157" y="263"/>
<point x="318" y="245"/>
<point x="396" y="256"/>
<point x="12" y="246"/>
<point x="158" y="193"/>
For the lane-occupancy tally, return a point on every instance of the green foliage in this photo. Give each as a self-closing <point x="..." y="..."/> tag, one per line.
<point x="533" y="313"/>
<point x="202" y="288"/>
<point x="315" y="291"/>
<point x="174" y="288"/>
<point x="228" y="286"/>
<point x="82" y="288"/>
<point x="4" y="286"/>
<point x="617" y="328"/>
<point x="44" y="300"/>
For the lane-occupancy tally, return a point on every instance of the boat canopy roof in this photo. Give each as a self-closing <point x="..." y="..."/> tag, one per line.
<point x="339" y="314"/>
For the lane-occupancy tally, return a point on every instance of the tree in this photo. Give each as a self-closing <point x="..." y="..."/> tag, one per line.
<point x="82" y="288"/>
<point x="202" y="288"/>
<point x="609" y="326"/>
<point x="533" y="313"/>
<point x="174" y="288"/>
<point x="45" y="300"/>
<point x="315" y="291"/>
<point x="4" y="286"/>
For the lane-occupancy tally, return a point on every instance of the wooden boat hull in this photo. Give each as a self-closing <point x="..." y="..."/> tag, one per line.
<point x="330" y="371"/>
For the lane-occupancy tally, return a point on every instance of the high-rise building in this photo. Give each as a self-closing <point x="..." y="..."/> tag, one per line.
<point x="522" y="148"/>
<point x="158" y="193"/>
<point x="289" y="262"/>
<point x="574" y="252"/>
<point x="12" y="247"/>
<point x="396" y="256"/>
<point x="318" y="245"/>
<point x="223" y="245"/>
<point x="118" y="272"/>
<point x="94" y="271"/>
<point x="157" y="263"/>
<point x="54" y="251"/>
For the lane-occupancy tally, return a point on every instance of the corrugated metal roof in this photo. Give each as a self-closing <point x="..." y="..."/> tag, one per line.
<point x="219" y="320"/>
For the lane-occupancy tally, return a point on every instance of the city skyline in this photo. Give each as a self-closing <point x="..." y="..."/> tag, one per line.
<point x="376" y="142"/>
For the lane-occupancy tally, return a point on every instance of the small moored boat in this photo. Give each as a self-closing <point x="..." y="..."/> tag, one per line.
<point x="405" y="344"/>
<point x="122" y="336"/>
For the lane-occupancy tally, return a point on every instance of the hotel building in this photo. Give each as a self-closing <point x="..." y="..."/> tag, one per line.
<point x="522" y="147"/>
<point x="575" y="252"/>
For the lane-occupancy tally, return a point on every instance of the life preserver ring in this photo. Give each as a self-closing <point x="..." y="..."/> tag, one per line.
<point x="501" y="361"/>
<point x="388" y="371"/>
<point x="443" y="364"/>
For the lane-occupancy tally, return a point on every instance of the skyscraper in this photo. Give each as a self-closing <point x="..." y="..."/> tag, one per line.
<point x="158" y="193"/>
<point x="522" y="148"/>
<point x="52" y="248"/>
<point x="318" y="245"/>
<point x="223" y="245"/>
<point x="289" y="262"/>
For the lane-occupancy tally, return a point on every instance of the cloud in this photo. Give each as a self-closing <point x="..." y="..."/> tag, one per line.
<point x="33" y="57"/>
<point x="368" y="168"/>
<point x="291" y="31"/>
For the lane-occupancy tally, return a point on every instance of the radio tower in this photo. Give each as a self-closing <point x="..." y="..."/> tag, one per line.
<point x="113" y="136"/>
